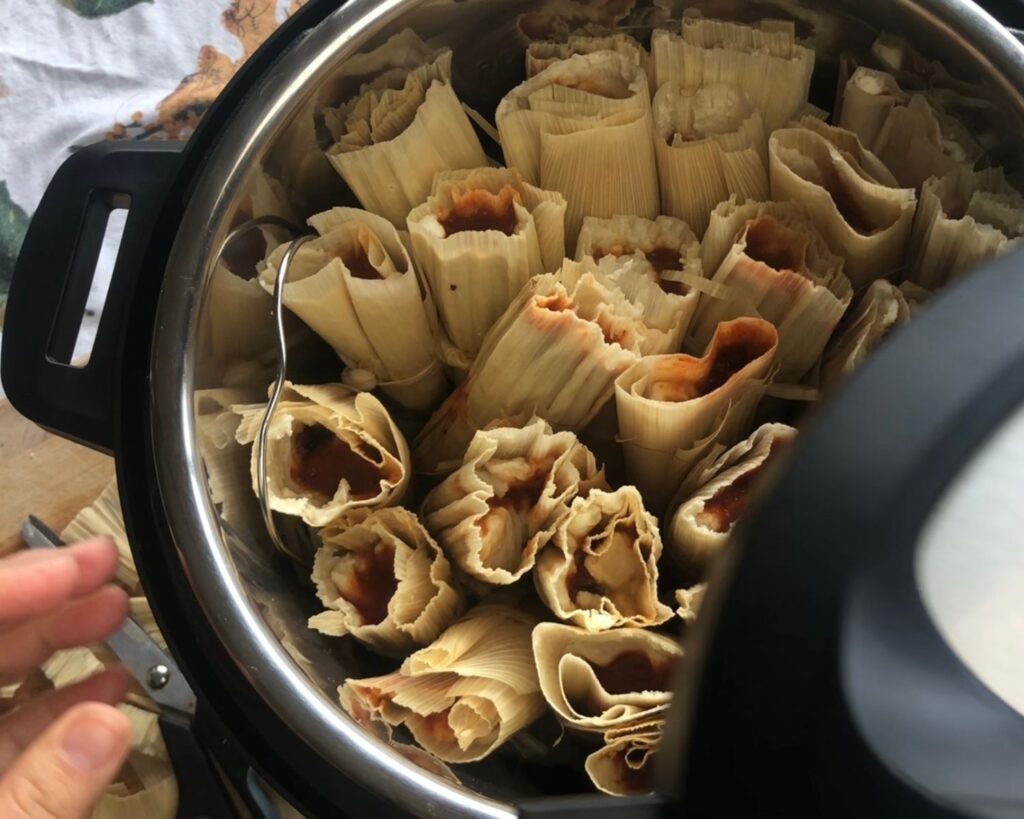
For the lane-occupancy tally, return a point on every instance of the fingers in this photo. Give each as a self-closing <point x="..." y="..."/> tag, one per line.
<point x="33" y="583"/>
<point x="66" y="769"/>
<point x="20" y="728"/>
<point x="88" y="619"/>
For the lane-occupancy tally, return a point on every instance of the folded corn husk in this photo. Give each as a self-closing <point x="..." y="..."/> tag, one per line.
<point x="390" y="143"/>
<point x="541" y="55"/>
<point x="357" y="289"/>
<point x="882" y="308"/>
<point x="494" y="513"/>
<point x="775" y="266"/>
<point x="465" y="694"/>
<point x="384" y="581"/>
<point x="356" y="428"/>
<point x="965" y="218"/>
<point x="700" y="527"/>
<point x="709" y="142"/>
<point x="868" y="98"/>
<point x="555" y="351"/>
<point x="625" y="765"/>
<point x="557" y="19"/>
<point x="597" y="681"/>
<point x="765" y="62"/>
<point x="583" y="127"/>
<point x="600" y="570"/>
<point x="853" y="199"/>
<point x="688" y="600"/>
<point x="669" y="405"/>
<point x="478" y="239"/>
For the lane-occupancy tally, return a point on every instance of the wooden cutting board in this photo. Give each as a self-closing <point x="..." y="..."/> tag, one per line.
<point x="43" y="475"/>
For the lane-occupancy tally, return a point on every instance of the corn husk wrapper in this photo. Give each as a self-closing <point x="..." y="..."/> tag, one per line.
<point x="777" y="267"/>
<point x="868" y="99"/>
<point x="625" y="765"/>
<point x="853" y="199"/>
<point x="581" y="675"/>
<point x="386" y="566"/>
<point x="494" y="513"/>
<point x="669" y="404"/>
<point x="475" y="274"/>
<point x="882" y="308"/>
<point x="600" y="570"/>
<point x="710" y="143"/>
<point x="542" y="55"/>
<point x="558" y="19"/>
<point x="556" y="351"/>
<point x="701" y="526"/>
<point x="765" y="62"/>
<point x="358" y="420"/>
<point x="391" y="143"/>
<point x="688" y="601"/>
<point x="583" y="127"/>
<point x="965" y="218"/>
<point x="357" y="289"/>
<point x="467" y="693"/>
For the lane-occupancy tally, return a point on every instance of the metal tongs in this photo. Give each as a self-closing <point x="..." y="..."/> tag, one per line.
<point x="203" y="792"/>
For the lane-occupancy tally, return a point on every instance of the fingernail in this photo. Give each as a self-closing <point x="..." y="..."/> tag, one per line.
<point x="90" y="742"/>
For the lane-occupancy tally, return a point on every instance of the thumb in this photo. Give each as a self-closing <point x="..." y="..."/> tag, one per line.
<point x="64" y="772"/>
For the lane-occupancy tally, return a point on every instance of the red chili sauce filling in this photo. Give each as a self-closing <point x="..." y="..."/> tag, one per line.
<point x="634" y="780"/>
<point x="372" y="583"/>
<point x="723" y="508"/>
<point x="633" y="671"/>
<point x="771" y="242"/>
<point x="320" y="459"/>
<point x="358" y="264"/>
<point x="479" y="210"/>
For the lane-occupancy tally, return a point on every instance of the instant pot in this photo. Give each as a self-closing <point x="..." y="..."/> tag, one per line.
<point x="838" y="667"/>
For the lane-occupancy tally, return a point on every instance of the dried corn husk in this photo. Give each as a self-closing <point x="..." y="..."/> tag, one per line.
<point x="556" y="350"/>
<point x="701" y="526"/>
<point x="600" y="570"/>
<point x="625" y="765"/>
<point x="668" y="405"/>
<point x="384" y="581"/>
<point x="596" y="681"/>
<point x="494" y="513"/>
<point x="541" y="55"/>
<point x="764" y="61"/>
<point x="357" y="289"/>
<point x="377" y="452"/>
<point x="583" y="127"/>
<point x="868" y="99"/>
<point x="390" y="143"/>
<point x="467" y="693"/>
<point x="689" y="601"/>
<point x="853" y="199"/>
<point x="777" y="267"/>
<point x="882" y="308"/>
<point x="557" y="19"/>
<point x="709" y="142"/>
<point x="511" y="231"/>
<point x="103" y="517"/>
<point x="965" y="218"/>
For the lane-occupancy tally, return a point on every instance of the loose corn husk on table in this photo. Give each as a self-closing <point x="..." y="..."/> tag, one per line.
<point x="478" y="239"/>
<point x="669" y="405"/>
<point x="965" y="218"/>
<point x="852" y="198"/>
<point x="701" y="526"/>
<point x="600" y="570"/>
<point x="390" y="143"/>
<point x="583" y="127"/>
<point x="710" y="143"/>
<point x="358" y="429"/>
<point x="764" y="61"/>
<point x="465" y="694"/>
<point x="350" y="285"/>
<point x="598" y="681"/>
<point x="557" y="351"/>
<point x="625" y="765"/>
<point x="386" y="582"/>
<point x="777" y="267"/>
<point x="502" y="505"/>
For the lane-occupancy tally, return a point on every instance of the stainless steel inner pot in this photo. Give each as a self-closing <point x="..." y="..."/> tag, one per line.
<point x="257" y="602"/>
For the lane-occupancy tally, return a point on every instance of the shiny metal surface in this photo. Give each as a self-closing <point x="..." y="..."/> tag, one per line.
<point x="254" y="599"/>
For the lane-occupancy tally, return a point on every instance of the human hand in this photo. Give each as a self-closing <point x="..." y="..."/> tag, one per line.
<point x="59" y="752"/>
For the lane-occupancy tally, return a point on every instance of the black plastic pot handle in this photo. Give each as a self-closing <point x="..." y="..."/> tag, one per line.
<point x="54" y="273"/>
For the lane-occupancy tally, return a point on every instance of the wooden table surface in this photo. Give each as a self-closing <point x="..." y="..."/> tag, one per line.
<point x="43" y="475"/>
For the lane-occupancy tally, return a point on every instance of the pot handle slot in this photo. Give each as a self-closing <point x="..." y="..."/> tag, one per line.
<point x="54" y="273"/>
